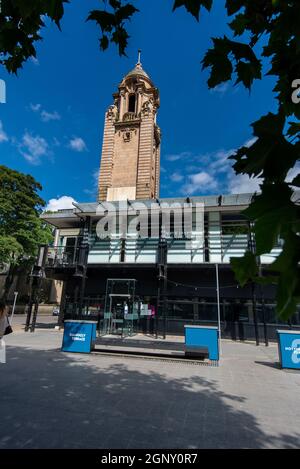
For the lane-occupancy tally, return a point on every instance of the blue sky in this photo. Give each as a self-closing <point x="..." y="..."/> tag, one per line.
<point x="52" y="123"/>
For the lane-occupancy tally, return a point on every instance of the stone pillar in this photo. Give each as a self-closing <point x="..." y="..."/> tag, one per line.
<point x="157" y="172"/>
<point x="105" y="175"/>
<point x="143" y="182"/>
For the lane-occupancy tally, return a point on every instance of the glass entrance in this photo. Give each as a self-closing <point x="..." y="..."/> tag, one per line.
<point x="121" y="311"/>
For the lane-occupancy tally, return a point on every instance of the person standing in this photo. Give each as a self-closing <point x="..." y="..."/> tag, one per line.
<point x="3" y="318"/>
<point x="3" y="326"/>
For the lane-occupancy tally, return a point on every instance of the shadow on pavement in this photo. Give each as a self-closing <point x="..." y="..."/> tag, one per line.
<point x="275" y="365"/>
<point x="54" y="400"/>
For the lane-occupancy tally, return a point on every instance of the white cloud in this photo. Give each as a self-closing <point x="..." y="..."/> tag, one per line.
<point x="64" y="202"/>
<point x="218" y="162"/>
<point x="35" y="107"/>
<point x="3" y="135"/>
<point x="176" y="177"/>
<point x="218" y="176"/>
<point x="221" y="89"/>
<point x="241" y="183"/>
<point x="179" y="156"/>
<point x="200" y="182"/>
<point x="77" y="144"/>
<point x="34" y="60"/>
<point x="250" y="142"/>
<point x="50" y="116"/>
<point x="33" y="148"/>
<point x="45" y="115"/>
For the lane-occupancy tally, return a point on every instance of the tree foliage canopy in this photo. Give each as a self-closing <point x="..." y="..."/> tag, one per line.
<point x="21" y="229"/>
<point x="263" y="31"/>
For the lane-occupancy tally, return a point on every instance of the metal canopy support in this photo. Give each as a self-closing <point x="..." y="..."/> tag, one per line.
<point x="162" y="284"/>
<point x="37" y="275"/>
<point x="254" y="303"/>
<point x="81" y="268"/>
<point x="251" y="243"/>
<point x="60" y="320"/>
<point x="263" y="308"/>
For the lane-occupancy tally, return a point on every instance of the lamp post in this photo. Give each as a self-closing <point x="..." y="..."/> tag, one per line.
<point x="218" y="303"/>
<point x="14" y="306"/>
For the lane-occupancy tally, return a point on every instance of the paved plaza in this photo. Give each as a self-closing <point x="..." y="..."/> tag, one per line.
<point x="51" y="399"/>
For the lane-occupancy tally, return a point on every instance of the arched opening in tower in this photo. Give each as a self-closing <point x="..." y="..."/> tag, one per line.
<point x="131" y="104"/>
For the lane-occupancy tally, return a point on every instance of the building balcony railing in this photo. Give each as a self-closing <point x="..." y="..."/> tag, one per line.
<point x="58" y="256"/>
<point x="215" y="247"/>
<point x="129" y="116"/>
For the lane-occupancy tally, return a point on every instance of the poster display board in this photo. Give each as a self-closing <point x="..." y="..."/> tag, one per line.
<point x="203" y="338"/>
<point x="289" y="348"/>
<point x="79" y="336"/>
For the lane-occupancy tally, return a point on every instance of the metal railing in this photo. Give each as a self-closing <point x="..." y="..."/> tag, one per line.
<point x="62" y="256"/>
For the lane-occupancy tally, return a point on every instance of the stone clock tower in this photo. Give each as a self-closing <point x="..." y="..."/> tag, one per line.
<point x="131" y="143"/>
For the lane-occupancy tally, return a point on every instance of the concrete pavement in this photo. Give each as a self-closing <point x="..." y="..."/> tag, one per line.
<point x="51" y="399"/>
<point x="44" y="321"/>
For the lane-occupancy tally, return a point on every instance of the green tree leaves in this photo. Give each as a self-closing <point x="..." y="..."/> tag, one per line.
<point x="21" y="229"/>
<point x="10" y="250"/>
<point x="246" y="66"/>
<point x="20" y="25"/>
<point x="294" y="129"/>
<point x="112" y="24"/>
<point x="264" y="157"/>
<point x="273" y="212"/>
<point x="221" y="66"/>
<point x="275" y="218"/>
<point x="245" y="267"/>
<point x="193" y="6"/>
<point x="233" y="6"/>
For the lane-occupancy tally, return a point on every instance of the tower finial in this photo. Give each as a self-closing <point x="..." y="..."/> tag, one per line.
<point x="139" y="57"/>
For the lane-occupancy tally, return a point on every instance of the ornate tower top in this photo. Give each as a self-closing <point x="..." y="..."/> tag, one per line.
<point x="138" y="69"/>
<point x="131" y="144"/>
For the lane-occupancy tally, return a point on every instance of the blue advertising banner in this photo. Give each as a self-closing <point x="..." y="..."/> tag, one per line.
<point x="79" y="336"/>
<point x="203" y="336"/>
<point x="289" y="349"/>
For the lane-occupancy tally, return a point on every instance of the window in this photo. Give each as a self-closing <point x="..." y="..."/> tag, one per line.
<point x="131" y="104"/>
<point x="234" y="224"/>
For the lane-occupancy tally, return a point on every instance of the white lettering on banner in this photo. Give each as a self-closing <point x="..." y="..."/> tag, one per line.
<point x="78" y="337"/>
<point x="123" y="220"/>
<point x="296" y="93"/>
<point x="296" y="351"/>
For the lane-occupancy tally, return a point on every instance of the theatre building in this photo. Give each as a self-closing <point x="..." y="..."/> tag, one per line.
<point x="141" y="263"/>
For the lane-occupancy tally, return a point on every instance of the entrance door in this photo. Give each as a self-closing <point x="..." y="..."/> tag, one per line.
<point x="121" y="311"/>
<point x="118" y="305"/>
<point x="121" y="317"/>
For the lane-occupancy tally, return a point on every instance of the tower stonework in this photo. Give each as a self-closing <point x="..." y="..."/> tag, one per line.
<point x="130" y="162"/>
